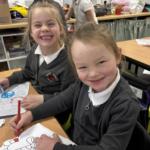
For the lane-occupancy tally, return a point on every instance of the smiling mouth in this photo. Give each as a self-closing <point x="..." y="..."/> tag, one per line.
<point x="46" y="37"/>
<point x="95" y="81"/>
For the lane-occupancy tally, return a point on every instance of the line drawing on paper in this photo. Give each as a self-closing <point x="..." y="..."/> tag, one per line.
<point x="27" y="144"/>
<point x="9" y="106"/>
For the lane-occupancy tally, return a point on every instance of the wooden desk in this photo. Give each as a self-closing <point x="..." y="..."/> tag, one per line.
<point x="51" y="123"/>
<point x="107" y="17"/>
<point x="137" y="54"/>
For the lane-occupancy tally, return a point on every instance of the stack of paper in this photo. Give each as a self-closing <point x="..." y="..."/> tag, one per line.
<point x="143" y="42"/>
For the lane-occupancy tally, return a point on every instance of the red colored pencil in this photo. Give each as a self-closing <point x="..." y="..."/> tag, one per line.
<point x="18" y="130"/>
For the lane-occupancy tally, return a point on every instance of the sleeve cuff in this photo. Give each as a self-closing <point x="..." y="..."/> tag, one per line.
<point x="87" y="7"/>
<point x="59" y="146"/>
<point x="47" y="97"/>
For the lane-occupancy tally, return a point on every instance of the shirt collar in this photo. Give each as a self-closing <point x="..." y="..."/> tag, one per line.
<point x="38" y="50"/>
<point x="48" y="58"/>
<point x="102" y="97"/>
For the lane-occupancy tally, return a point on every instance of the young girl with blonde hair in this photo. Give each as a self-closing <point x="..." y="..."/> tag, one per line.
<point x="57" y="5"/>
<point x="105" y="109"/>
<point x="47" y="65"/>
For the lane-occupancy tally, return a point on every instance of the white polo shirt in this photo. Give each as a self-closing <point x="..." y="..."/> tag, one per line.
<point x="80" y="7"/>
<point x="48" y="59"/>
<point x="101" y="97"/>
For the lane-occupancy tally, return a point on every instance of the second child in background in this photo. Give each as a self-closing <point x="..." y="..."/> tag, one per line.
<point x="47" y="65"/>
<point x="83" y="10"/>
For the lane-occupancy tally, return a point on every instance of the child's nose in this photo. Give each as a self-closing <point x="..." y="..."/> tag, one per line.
<point x="45" y="28"/>
<point x="94" y="74"/>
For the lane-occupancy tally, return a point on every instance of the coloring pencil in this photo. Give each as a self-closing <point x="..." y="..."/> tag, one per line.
<point x="18" y="130"/>
<point x="2" y="89"/>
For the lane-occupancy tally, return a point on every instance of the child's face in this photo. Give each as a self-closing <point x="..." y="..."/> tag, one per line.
<point x="45" y="29"/>
<point x="96" y="66"/>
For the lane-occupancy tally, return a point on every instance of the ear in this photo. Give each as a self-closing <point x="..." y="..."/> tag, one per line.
<point x="118" y="59"/>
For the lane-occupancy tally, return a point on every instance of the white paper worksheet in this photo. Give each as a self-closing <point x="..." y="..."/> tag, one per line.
<point x="143" y="42"/>
<point x="9" y="106"/>
<point x="26" y="139"/>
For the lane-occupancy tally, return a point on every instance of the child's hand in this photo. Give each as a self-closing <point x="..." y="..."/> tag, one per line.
<point x="46" y="143"/>
<point x="5" y="83"/>
<point x="32" y="101"/>
<point x="26" y="118"/>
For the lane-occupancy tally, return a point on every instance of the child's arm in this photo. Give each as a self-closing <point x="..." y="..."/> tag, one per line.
<point x="70" y="11"/>
<point x="32" y="101"/>
<point x="56" y="105"/>
<point x="25" y="74"/>
<point x="90" y="16"/>
<point x="88" y="10"/>
<point x="69" y="14"/>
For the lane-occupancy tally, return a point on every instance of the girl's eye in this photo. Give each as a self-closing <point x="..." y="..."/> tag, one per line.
<point x="51" y="24"/>
<point x="101" y="62"/>
<point x="82" y="68"/>
<point x="37" y="25"/>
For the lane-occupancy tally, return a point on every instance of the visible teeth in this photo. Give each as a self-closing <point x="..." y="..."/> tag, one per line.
<point x="47" y="37"/>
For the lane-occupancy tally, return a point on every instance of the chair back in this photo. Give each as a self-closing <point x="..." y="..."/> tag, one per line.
<point x="141" y="88"/>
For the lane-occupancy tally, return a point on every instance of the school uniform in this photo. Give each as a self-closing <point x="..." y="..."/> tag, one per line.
<point x="80" y="7"/>
<point x="48" y="78"/>
<point x="97" y="126"/>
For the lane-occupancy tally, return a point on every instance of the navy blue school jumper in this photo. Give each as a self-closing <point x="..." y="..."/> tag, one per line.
<point x="48" y="79"/>
<point x="105" y="127"/>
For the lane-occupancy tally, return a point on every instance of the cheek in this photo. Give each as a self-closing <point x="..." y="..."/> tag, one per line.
<point x="81" y="75"/>
<point x="109" y="69"/>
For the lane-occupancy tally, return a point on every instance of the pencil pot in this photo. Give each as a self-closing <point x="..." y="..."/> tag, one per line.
<point x="118" y="11"/>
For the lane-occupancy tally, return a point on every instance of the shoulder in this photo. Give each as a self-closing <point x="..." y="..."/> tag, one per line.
<point x="125" y="88"/>
<point x="123" y="95"/>
<point x="32" y="51"/>
<point x="63" y="53"/>
<point x="78" y="85"/>
<point x="34" y="46"/>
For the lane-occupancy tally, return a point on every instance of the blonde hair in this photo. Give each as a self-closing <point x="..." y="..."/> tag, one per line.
<point x="45" y="4"/>
<point x="95" y="34"/>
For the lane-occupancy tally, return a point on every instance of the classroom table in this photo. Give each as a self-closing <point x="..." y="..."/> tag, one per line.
<point x="51" y="123"/>
<point x="136" y="54"/>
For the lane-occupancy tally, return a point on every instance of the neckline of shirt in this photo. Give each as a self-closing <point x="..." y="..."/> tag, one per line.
<point x="48" y="59"/>
<point x="101" y="97"/>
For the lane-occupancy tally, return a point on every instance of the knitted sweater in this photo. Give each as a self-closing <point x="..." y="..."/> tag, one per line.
<point x="48" y="79"/>
<point x="110" y="130"/>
